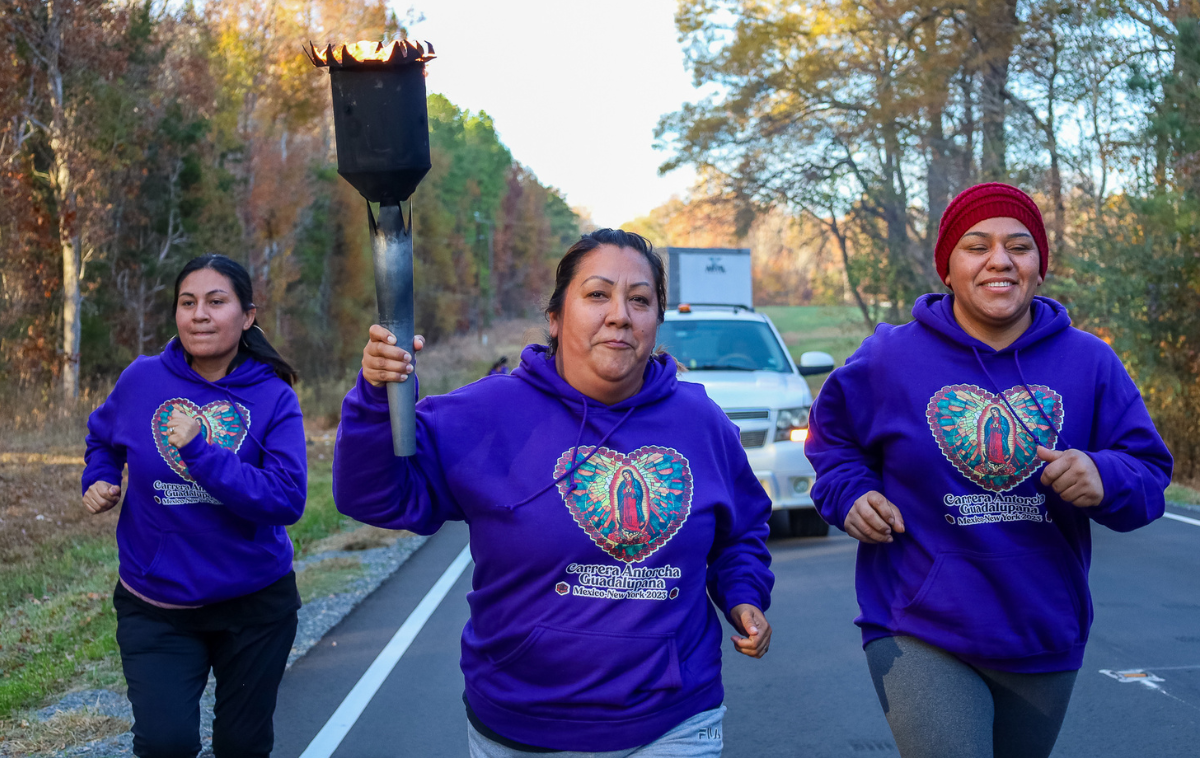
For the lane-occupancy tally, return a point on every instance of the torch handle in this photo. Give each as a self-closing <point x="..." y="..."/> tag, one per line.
<point x="392" y="244"/>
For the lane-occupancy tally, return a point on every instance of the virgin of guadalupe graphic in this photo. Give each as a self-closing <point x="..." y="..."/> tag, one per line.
<point x="992" y="437"/>
<point x="629" y="504"/>
<point x="996" y="442"/>
<point x="631" y="507"/>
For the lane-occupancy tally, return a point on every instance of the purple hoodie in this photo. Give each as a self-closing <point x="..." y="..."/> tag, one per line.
<point x="206" y="522"/>
<point x="591" y="627"/>
<point x="993" y="565"/>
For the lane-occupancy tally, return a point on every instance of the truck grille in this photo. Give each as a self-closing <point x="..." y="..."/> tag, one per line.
<point x="754" y="437"/>
<point x="748" y="415"/>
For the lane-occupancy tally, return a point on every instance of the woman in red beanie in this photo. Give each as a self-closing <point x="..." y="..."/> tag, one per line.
<point x="969" y="451"/>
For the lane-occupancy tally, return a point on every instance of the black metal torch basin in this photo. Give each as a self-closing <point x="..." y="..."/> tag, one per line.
<point x="381" y="128"/>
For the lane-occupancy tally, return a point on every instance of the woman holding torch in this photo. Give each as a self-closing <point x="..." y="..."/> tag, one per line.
<point x="607" y="503"/>
<point x="213" y="436"/>
<point x="969" y="451"/>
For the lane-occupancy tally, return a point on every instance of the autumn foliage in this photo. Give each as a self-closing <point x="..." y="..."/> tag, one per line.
<point x="193" y="128"/>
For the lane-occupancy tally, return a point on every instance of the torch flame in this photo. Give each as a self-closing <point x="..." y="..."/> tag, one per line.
<point x="370" y="52"/>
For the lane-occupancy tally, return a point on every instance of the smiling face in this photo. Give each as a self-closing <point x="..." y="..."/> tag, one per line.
<point x="608" y="323"/>
<point x="209" y="317"/>
<point x="994" y="272"/>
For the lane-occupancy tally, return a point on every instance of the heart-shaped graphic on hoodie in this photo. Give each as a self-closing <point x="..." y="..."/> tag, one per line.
<point x="979" y="434"/>
<point x="629" y="504"/>
<point x="220" y="424"/>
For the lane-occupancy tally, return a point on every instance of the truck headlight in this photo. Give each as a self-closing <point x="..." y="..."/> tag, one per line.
<point x="791" y="425"/>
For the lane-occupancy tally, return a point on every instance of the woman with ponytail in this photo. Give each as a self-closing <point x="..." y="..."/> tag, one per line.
<point x="214" y="440"/>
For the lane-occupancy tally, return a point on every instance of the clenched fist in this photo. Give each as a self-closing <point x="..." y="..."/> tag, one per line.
<point x="101" y="496"/>
<point x="751" y="622"/>
<point x="1073" y="475"/>
<point x="181" y="428"/>
<point x="873" y="519"/>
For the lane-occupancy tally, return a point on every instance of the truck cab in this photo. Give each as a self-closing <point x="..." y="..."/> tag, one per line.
<point x="744" y="365"/>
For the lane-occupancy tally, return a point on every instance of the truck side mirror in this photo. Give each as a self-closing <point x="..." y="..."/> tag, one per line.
<point x="813" y="363"/>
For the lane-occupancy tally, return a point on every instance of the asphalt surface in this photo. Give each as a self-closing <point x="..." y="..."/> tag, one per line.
<point x="811" y="696"/>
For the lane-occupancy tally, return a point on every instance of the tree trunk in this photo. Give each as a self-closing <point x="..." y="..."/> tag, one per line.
<point x="967" y="177"/>
<point x="141" y="317"/>
<point x="834" y="227"/>
<point x="66" y="201"/>
<point x="937" y="181"/>
<point x="995" y="25"/>
<point x="1059" y="221"/>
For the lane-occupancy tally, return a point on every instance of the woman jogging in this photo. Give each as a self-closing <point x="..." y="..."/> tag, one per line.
<point x="968" y="451"/>
<point x="607" y="502"/>
<point x="212" y="433"/>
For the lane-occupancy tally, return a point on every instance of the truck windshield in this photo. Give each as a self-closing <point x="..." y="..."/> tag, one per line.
<point x="713" y="345"/>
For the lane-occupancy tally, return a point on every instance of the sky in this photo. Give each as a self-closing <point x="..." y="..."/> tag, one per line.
<point x="575" y="88"/>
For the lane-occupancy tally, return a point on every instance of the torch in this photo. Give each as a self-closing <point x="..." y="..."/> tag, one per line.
<point x="381" y="127"/>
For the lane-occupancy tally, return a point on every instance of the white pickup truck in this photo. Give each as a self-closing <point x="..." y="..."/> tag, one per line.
<point x="740" y="358"/>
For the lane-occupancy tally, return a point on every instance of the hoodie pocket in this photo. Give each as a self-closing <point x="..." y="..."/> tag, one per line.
<point x="208" y="564"/>
<point x="555" y="666"/>
<point x="1008" y="605"/>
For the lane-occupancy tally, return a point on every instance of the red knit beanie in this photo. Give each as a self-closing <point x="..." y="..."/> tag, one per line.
<point x="979" y="203"/>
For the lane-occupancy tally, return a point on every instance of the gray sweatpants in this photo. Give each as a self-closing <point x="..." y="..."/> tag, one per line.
<point x="940" y="707"/>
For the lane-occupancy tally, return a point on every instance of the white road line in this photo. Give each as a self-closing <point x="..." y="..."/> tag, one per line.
<point x="1184" y="519"/>
<point x="340" y="723"/>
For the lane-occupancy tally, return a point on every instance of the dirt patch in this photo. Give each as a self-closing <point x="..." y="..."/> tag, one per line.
<point x="363" y="538"/>
<point x="40" y="503"/>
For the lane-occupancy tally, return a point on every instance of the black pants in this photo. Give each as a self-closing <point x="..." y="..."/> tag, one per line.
<point x="166" y="666"/>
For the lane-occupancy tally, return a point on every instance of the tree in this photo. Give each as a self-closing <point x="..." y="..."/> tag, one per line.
<point x="69" y="75"/>
<point x="827" y="109"/>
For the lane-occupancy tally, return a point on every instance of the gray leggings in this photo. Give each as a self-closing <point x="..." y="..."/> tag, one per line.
<point x="940" y="707"/>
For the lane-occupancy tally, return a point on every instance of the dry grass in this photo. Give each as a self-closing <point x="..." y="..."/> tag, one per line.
<point x="36" y="419"/>
<point x="59" y="732"/>
<point x="460" y="360"/>
<point x="442" y="367"/>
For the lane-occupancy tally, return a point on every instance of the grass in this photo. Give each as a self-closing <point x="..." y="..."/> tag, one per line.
<point x="55" y="642"/>
<point x="834" y="329"/>
<point x="58" y="564"/>
<point x="327" y="577"/>
<point x="1177" y="493"/>
<point x="321" y="517"/>
<point x="57" y="625"/>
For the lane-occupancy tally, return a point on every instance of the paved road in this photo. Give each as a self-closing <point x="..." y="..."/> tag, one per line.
<point x="811" y="696"/>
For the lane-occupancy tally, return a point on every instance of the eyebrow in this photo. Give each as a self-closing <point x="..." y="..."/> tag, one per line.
<point x="610" y="281"/>
<point x="985" y="235"/>
<point x="210" y="292"/>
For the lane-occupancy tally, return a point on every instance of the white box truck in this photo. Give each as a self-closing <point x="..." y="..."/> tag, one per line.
<point x="712" y="330"/>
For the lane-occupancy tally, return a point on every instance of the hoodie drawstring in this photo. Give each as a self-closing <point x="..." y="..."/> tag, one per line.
<point x="1032" y="397"/>
<point x="570" y="472"/>
<point x="1041" y="410"/>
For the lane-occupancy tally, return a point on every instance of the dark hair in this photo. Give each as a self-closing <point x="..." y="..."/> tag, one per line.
<point x="253" y="341"/>
<point x="589" y="242"/>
